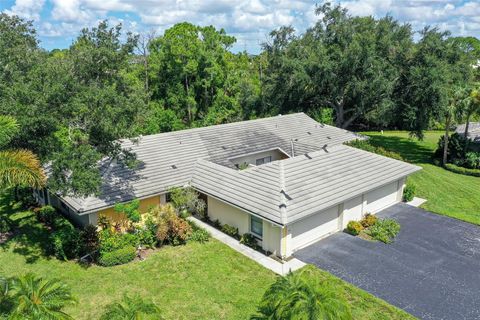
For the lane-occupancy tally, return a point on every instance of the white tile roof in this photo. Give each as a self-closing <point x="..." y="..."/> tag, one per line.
<point x="287" y="190"/>
<point x="168" y="159"/>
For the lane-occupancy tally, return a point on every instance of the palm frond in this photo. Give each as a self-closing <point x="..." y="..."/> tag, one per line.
<point x="20" y="168"/>
<point x="8" y="128"/>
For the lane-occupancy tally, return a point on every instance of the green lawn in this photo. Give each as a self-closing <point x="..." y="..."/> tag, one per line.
<point x="195" y="281"/>
<point x="448" y="193"/>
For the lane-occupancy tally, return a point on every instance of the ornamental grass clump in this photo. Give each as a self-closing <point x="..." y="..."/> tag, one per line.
<point x="384" y="230"/>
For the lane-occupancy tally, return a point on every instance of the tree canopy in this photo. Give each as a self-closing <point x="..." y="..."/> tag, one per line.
<point x="73" y="105"/>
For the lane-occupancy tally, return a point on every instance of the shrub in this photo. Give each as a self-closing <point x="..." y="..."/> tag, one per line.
<point x="354" y="228"/>
<point x="146" y="237"/>
<point x="249" y="240"/>
<point x="170" y="229"/>
<point x="200" y="235"/>
<point x="367" y="146"/>
<point x="89" y="239"/>
<point x="129" y="209"/>
<point x="216" y="223"/>
<point x="461" y="170"/>
<point x="186" y="200"/>
<point x="472" y="160"/>
<point x="384" y="230"/>
<point x="4" y="224"/>
<point x="65" y="240"/>
<point x="230" y="230"/>
<point x="47" y="215"/>
<point x="119" y="256"/>
<point x="409" y="192"/>
<point x="368" y="220"/>
<point x="104" y="223"/>
<point x="456" y="147"/>
<point x="111" y="241"/>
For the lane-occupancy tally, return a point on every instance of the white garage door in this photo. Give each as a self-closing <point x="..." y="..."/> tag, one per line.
<point x="313" y="228"/>
<point x="381" y="197"/>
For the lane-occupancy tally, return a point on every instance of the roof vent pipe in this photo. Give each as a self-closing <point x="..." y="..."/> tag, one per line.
<point x="293" y="150"/>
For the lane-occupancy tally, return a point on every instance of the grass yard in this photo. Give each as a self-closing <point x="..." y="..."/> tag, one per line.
<point x="448" y="193"/>
<point x="195" y="281"/>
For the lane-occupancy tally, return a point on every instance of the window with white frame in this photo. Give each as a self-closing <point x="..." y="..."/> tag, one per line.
<point x="256" y="226"/>
<point x="264" y="160"/>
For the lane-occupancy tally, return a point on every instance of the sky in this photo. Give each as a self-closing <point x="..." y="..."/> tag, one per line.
<point x="58" y="22"/>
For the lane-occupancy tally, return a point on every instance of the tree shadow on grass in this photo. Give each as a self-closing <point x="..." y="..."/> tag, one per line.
<point x="411" y="150"/>
<point x="29" y="238"/>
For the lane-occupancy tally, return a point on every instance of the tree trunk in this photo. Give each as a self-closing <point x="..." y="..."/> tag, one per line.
<point x="445" y="141"/>
<point x="467" y="124"/>
<point x="188" y="102"/>
<point x="339" y="116"/>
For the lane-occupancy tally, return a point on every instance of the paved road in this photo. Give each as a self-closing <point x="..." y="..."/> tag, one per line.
<point x="432" y="270"/>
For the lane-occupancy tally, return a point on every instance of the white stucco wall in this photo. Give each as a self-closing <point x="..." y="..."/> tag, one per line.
<point x="252" y="158"/>
<point x="271" y="238"/>
<point x="228" y="214"/>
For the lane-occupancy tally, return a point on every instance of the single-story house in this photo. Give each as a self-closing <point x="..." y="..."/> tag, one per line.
<point x="288" y="179"/>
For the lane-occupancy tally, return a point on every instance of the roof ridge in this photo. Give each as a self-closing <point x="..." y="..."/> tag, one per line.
<point x="283" y="197"/>
<point x="218" y="125"/>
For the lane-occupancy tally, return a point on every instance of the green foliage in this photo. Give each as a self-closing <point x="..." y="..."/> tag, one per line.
<point x="131" y="307"/>
<point x="367" y="146"/>
<point x="169" y="227"/>
<point x="47" y="214"/>
<point x="111" y="241"/>
<point x="230" y="230"/>
<point x="5" y="224"/>
<point x="298" y="296"/>
<point x="118" y="256"/>
<point x="199" y="235"/>
<point x="409" y="192"/>
<point x="8" y="129"/>
<point x="66" y="240"/>
<point x="384" y="230"/>
<point x="129" y="209"/>
<point x="20" y="168"/>
<point x="354" y="228"/>
<point x="187" y="199"/>
<point x="89" y="239"/>
<point x="368" y="220"/>
<point x="146" y="236"/>
<point x="36" y="298"/>
<point x="249" y="240"/>
<point x="456" y="147"/>
<point x="462" y="170"/>
<point x="472" y="160"/>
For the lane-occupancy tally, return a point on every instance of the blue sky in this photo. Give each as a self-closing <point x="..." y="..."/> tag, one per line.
<point x="58" y="22"/>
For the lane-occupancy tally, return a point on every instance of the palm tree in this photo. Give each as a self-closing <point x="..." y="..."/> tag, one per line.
<point x="131" y="308"/>
<point x="17" y="167"/>
<point x="456" y="106"/>
<point x="473" y="106"/>
<point x="37" y="298"/>
<point x="297" y="297"/>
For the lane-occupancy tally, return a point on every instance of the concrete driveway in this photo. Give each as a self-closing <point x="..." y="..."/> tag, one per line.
<point x="432" y="270"/>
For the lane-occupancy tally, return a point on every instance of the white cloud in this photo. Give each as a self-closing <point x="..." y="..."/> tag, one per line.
<point x="28" y="9"/>
<point x="248" y="20"/>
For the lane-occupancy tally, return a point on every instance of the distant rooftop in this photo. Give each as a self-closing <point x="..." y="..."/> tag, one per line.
<point x="473" y="131"/>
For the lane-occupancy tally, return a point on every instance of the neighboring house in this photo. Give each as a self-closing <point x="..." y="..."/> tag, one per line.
<point x="473" y="131"/>
<point x="300" y="183"/>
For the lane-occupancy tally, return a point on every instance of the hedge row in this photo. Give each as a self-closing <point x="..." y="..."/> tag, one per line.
<point x="462" y="170"/>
